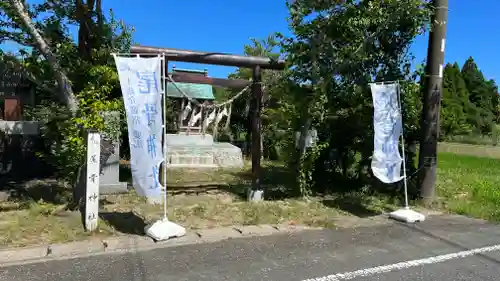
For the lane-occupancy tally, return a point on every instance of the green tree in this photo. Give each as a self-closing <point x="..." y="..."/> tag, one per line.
<point x="242" y="111"/>
<point x="455" y="103"/>
<point x="80" y="73"/>
<point x="26" y="32"/>
<point x="481" y="96"/>
<point x="49" y="56"/>
<point x="495" y="95"/>
<point x="337" y="49"/>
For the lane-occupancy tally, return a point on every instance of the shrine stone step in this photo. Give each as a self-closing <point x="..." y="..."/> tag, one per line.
<point x="191" y="139"/>
<point x="188" y="160"/>
<point x="216" y="155"/>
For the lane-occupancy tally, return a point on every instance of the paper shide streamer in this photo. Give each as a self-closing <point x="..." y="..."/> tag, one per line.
<point x="211" y="113"/>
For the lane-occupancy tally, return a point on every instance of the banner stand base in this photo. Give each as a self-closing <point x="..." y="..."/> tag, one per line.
<point x="407" y="215"/>
<point x="164" y="229"/>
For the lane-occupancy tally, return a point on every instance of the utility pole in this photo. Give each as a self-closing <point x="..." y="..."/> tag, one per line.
<point x="432" y="101"/>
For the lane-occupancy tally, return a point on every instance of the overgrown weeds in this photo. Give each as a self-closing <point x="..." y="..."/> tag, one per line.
<point x="197" y="199"/>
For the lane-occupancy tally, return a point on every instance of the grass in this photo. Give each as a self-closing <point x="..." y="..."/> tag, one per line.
<point x="470" y="149"/>
<point x="219" y="202"/>
<point x="476" y="139"/>
<point x="40" y="223"/>
<point x="199" y="199"/>
<point x="469" y="185"/>
<point x="224" y="209"/>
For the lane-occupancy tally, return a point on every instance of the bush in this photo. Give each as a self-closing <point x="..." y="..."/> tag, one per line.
<point x="64" y="135"/>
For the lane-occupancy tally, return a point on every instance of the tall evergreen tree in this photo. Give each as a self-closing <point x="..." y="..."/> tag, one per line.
<point x="495" y="99"/>
<point x="480" y="95"/>
<point x="455" y="103"/>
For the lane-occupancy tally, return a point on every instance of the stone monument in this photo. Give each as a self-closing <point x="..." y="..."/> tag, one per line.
<point x="110" y="158"/>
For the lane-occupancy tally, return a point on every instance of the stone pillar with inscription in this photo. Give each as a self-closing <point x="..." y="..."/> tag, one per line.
<point x="92" y="180"/>
<point x="110" y="156"/>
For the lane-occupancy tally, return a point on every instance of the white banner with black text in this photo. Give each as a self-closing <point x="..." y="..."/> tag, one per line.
<point x="140" y="80"/>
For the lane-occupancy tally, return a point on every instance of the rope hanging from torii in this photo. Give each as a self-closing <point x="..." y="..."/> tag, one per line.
<point x="214" y="112"/>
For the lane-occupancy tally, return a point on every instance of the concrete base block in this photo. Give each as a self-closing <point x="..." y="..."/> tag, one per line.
<point x="120" y="187"/>
<point x="193" y="154"/>
<point x="155" y="200"/>
<point x="193" y="139"/>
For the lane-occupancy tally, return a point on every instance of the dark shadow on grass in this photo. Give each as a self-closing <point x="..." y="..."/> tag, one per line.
<point x="277" y="181"/>
<point x="271" y="192"/>
<point x="49" y="191"/>
<point x="127" y="223"/>
<point x="352" y="204"/>
<point x="104" y="202"/>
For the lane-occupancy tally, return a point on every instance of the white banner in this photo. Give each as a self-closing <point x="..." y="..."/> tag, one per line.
<point x="388" y="127"/>
<point x="140" y="80"/>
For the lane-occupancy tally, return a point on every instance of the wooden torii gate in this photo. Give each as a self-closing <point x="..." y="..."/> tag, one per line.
<point x="256" y="63"/>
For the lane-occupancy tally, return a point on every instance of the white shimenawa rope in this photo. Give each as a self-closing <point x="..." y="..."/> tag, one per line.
<point x="215" y="107"/>
<point x="229" y="101"/>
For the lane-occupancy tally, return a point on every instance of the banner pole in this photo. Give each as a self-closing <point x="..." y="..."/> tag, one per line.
<point x="162" y="229"/>
<point x="163" y="70"/>
<point x="407" y="206"/>
<point x="405" y="214"/>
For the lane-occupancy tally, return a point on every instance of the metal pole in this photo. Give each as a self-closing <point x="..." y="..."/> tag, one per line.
<point x="256" y="193"/>
<point x="164" y="70"/>
<point x="403" y="150"/>
<point x="432" y="101"/>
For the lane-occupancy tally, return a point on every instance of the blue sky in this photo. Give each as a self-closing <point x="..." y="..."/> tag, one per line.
<point x="225" y="26"/>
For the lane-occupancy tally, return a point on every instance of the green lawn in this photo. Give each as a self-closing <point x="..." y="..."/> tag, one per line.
<point x="469" y="185"/>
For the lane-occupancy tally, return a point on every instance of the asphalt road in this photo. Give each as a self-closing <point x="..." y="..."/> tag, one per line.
<point x="443" y="248"/>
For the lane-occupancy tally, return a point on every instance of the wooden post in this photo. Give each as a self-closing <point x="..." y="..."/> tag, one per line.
<point x="92" y="180"/>
<point x="216" y="58"/>
<point x="256" y="193"/>
<point x="432" y="102"/>
<point x="180" y="106"/>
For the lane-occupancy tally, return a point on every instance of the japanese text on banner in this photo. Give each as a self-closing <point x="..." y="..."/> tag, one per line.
<point x="140" y="83"/>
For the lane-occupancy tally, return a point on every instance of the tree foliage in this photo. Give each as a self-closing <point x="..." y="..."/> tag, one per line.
<point x="48" y="52"/>
<point x="469" y="102"/>
<point x="455" y="103"/>
<point x="336" y="50"/>
<point x="271" y="81"/>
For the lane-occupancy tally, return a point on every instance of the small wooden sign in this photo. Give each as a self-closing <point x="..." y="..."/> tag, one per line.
<point x="92" y="180"/>
<point x="12" y="109"/>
